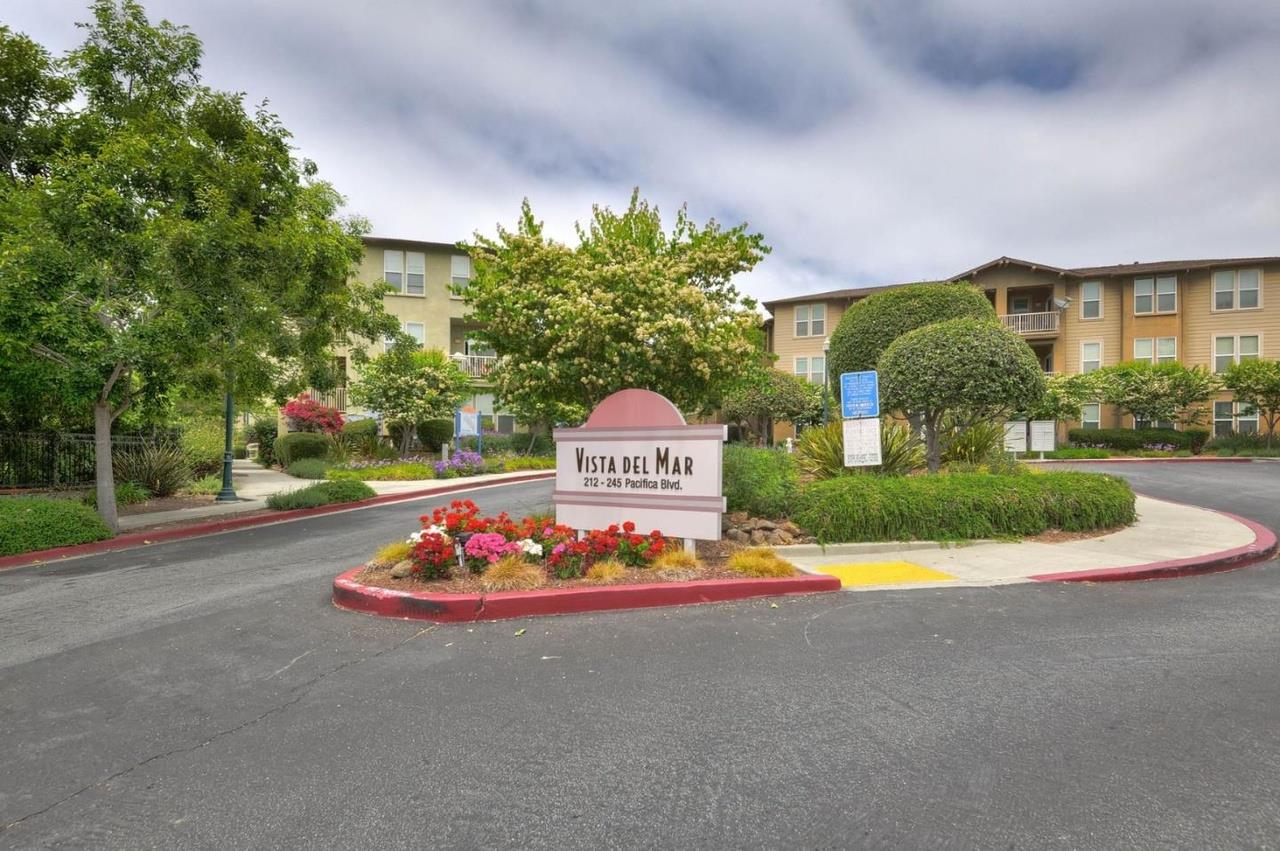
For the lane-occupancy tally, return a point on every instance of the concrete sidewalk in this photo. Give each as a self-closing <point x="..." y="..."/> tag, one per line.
<point x="1165" y="531"/>
<point x="255" y="483"/>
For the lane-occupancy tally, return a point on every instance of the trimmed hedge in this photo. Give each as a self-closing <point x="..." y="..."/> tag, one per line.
<point x="1131" y="439"/>
<point x="33" y="523"/>
<point x="961" y="506"/>
<point x="432" y="434"/>
<point x="300" y="444"/>
<point x="761" y="482"/>
<point x="321" y="493"/>
<point x="308" y="468"/>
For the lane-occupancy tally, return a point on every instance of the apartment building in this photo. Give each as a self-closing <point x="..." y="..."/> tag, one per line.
<point x="421" y="275"/>
<point x="1197" y="312"/>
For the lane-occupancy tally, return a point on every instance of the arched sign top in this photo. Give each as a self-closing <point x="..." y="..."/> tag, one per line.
<point x="635" y="407"/>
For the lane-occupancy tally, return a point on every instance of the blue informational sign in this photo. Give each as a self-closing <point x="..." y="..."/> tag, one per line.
<point x="466" y="423"/>
<point x="860" y="394"/>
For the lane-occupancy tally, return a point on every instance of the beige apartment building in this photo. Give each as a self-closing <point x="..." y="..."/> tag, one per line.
<point x="1197" y="312"/>
<point x="421" y="275"/>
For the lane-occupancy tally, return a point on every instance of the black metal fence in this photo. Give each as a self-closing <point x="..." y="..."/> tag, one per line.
<point x="49" y="460"/>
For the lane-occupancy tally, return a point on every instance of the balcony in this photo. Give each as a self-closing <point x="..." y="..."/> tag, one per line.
<point x="335" y="398"/>
<point x="1033" y="324"/>
<point x="477" y="366"/>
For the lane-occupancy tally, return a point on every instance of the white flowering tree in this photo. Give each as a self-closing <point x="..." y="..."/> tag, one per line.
<point x="407" y="386"/>
<point x="630" y="306"/>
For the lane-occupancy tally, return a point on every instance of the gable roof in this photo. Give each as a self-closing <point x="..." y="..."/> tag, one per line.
<point x="838" y="295"/>
<point x="1168" y="266"/>
<point x="1009" y="261"/>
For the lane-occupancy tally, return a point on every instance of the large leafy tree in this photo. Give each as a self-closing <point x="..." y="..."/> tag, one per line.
<point x="408" y="386"/>
<point x="1257" y="383"/>
<point x="1157" y="392"/>
<point x="1064" y="396"/>
<point x="631" y="305"/>
<point x="960" y="373"/>
<point x="170" y="237"/>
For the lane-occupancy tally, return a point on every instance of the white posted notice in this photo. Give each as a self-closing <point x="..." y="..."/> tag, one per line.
<point x="1015" y="436"/>
<point x="862" y="442"/>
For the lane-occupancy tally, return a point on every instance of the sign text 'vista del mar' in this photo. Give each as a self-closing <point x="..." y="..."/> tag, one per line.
<point x="636" y="459"/>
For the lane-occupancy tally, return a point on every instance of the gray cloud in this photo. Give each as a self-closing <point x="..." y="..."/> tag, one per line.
<point x="870" y="142"/>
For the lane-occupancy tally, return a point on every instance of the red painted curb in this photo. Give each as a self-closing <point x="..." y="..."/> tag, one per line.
<point x="1195" y="459"/>
<point x="137" y="539"/>
<point x="1262" y="549"/>
<point x="454" y="608"/>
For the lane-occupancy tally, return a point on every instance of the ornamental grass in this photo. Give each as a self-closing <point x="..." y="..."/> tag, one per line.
<point x="393" y="553"/>
<point x="607" y="570"/>
<point x="512" y="573"/>
<point x="760" y="562"/>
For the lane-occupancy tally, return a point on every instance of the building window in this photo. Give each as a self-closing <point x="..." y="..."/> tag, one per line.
<point x="1156" y="349"/>
<point x="1090" y="356"/>
<point x="417" y="331"/>
<point x="817" y="369"/>
<point x="1237" y="290"/>
<point x="1020" y="304"/>
<point x="802" y="367"/>
<point x="393" y="269"/>
<point x="1141" y="424"/>
<point x="1091" y="416"/>
<point x="415" y="278"/>
<point x="1091" y="300"/>
<point x="1155" y="295"/>
<point x="1229" y="350"/>
<point x="459" y="272"/>
<point x="811" y="320"/>
<point x="1234" y="417"/>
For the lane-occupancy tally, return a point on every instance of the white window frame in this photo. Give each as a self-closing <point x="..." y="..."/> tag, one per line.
<point x="1150" y="356"/>
<point x="1235" y="290"/>
<point x="1013" y="304"/>
<point x="1084" y="301"/>
<point x="1155" y="295"/>
<point x="817" y="317"/>
<point x="456" y="280"/>
<point x="1083" y="344"/>
<point x="1235" y="348"/>
<point x="796" y="368"/>
<point x="397" y="269"/>
<point x="421" y="336"/>
<point x="415" y="270"/>
<point x="1154" y="343"/>
<point x="817" y="373"/>
<point x="796" y="313"/>
<point x="1085" y="421"/>
<point x="1236" y="416"/>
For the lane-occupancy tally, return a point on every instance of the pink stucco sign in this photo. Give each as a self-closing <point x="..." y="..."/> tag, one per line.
<point x="636" y="459"/>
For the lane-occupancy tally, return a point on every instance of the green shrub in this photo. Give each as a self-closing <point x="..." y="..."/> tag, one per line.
<point x="127" y="493"/>
<point x="432" y="434"/>
<point x="517" y="463"/>
<point x="296" y="445"/>
<point x="204" y="441"/>
<point x="1197" y="438"/>
<point x="870" y="325"/>
<point x="308" y="468"/>
<point x="405" y="471"/>
<point x="1077" y="452"/>
<point x="1236" y="441"/>
<point x="321" y="493"/>
<point x="161" y="468"/>
<point x="264" y="432"/>
<point x="820" y="451"/>
<point x="761" y="482"/>
<point x="207" y="485"/>
<point x="30" y="523"/>
<point x="360" y="437"/>
<point x="1130" y="439"/>
<point x="961" y="506"/>
<point x="511" y="444"/>
<point x="975" y="445"/>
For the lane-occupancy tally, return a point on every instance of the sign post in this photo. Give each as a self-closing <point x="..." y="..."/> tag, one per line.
<point x="636" y="459"/>
<point x="860" y="408"/>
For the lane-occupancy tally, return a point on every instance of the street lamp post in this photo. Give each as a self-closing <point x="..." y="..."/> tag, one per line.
<point x="228" y="492"/>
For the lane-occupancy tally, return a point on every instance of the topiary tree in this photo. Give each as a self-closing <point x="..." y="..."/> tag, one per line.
<point x="964" y="371"/>
<point x="870" y="325"/>
<point x="1257" y="383"/>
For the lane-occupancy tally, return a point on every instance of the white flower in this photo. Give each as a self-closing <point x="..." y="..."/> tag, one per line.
<point x="530" y="547"/>
<point x="416" y="537"/>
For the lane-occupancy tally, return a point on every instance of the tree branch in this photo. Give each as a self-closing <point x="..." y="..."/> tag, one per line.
<point x="49" y="354"/>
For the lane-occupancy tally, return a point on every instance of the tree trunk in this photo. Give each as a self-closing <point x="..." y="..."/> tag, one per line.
<point x="406" y="436"/>
<point x="933" y="452"/>
<point x="106" y="484"/>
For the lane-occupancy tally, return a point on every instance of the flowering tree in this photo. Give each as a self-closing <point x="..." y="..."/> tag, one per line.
<point x="630" y="306"/>
<point x="1257" y="383"/>
<point x="307" y="414"/>
<point x="1157" y="392"/>
<point x="1064" y="396"/>
<point x="408" y="386"/>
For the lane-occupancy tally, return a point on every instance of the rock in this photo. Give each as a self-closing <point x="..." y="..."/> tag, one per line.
<point x="737" y="536"/>
<point x="759" y="538"/>
<point x="790" y="528"/>
<point x="765" y="525"/>
<point x="402" y="569"/>
<point x="781" y="538"/>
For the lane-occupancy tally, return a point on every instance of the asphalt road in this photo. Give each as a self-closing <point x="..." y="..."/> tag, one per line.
<point x="205" y="694"/>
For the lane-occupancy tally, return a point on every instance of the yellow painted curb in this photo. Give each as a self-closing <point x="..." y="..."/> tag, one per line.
<point x="882" y="573"/>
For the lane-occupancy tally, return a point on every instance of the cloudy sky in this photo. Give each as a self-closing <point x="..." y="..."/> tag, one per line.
<point x="871" y="142"/>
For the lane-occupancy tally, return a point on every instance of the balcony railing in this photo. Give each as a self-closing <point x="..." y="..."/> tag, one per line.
<point x="1032" y="323"/>
<point x="477" y="366"/>
<point x="335" y="398"/>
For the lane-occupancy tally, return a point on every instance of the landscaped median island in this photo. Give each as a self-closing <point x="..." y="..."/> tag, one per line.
<point x="459" y="560"/>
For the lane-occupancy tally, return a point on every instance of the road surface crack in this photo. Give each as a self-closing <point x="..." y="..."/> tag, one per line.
<point x="302" y="690"/>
